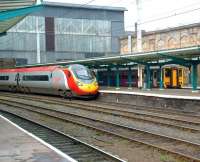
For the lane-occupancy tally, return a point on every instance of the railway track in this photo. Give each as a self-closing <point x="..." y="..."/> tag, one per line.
<point x="188" y="124"/>
<point x="169" y="111"/>
<point x="76" y="149"/>
<point x="182" y="148"/>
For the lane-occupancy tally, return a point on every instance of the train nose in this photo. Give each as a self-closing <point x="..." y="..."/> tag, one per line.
<point x="90" y="88"/>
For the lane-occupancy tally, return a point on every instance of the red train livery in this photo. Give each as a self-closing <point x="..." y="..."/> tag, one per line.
<point x="72" y="80"/>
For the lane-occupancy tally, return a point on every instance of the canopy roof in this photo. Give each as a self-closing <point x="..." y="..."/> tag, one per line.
<point x="12" y="11"/>
<point x="182" y="56"/>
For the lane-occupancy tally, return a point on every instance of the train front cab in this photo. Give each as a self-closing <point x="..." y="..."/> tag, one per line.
<point x="82" y="82"/>
<point x="173" y="77"/>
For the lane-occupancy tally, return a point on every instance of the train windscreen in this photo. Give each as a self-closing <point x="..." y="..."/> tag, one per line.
<point x="83" y="73"/>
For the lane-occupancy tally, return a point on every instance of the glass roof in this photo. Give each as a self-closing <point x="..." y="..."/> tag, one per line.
<point x="12" y="11"/>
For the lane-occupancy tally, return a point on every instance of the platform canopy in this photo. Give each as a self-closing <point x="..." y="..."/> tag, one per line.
<point x="12" y="11"/>
<point x="182" y="56"/>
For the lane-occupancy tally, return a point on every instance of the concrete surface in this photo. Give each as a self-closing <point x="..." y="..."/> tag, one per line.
<point x="17" y="146"/>
<point x="176" y="93"/>
<point x="182" y="99"/>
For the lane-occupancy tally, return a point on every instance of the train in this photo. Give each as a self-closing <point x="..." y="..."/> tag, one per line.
<point x="67" y="81"/>
<point x="174" y="76"/>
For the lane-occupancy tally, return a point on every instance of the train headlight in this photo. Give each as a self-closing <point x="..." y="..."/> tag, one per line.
<point x="79" y="83"/>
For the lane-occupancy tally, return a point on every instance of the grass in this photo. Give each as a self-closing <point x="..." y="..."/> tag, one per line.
<point x="168" y="158"/>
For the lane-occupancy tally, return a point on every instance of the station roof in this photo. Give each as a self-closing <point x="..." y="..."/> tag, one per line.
<point x="84" y="6"/>
<point x="182" y="56"/>
<point x="12" y="11"/>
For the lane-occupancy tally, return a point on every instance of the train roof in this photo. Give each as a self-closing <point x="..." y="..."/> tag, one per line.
<point x="30" y="69"/>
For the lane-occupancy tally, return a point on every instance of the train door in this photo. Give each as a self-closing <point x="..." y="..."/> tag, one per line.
<point x="180" y="77"/>
<point x="167" y="77"/>
<point x="174" y="78"/>
<point x="17" y="79"/>
<point x="16" y="88"/>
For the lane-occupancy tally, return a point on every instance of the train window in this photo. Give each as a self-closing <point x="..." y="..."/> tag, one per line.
<point x="4" y="77"/>
<point x="82" y="72"/>
<point x="180" y="72"/>
<point x="36" y="78"/>
<point x="167" y="72"/>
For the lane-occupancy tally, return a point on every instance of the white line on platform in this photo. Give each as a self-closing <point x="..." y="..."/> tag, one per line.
<point x="152" y="95"/>
<point x="41" y="141"/>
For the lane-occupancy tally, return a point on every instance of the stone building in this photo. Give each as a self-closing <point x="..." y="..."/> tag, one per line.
<point x="170" y="38"/>
<point x="178" y="37"/>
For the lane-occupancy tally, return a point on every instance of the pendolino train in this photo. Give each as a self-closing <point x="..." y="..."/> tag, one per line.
<point x="72" y="80"/>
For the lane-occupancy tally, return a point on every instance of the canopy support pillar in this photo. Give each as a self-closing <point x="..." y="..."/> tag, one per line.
<point x="161" y="77"/>
<point x="148" y="77"/>
<point x="194" y="77"/>
<point x="140" y="76"/>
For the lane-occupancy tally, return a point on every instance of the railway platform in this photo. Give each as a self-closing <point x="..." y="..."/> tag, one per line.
<point x="18" y="145"/>
<point x="183" y="99"/>
<point x="185" y="93"/>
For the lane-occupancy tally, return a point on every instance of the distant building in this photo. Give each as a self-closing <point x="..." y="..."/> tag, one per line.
<point x="66" y="32"/>
<point x="170" y="38"/>
<point x="177" y="37"/>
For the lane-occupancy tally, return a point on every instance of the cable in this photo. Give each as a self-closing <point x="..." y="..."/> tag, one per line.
<point x="194" y="4"/>
<point x="162" y="18"/>
<point x="166" y="17"/>
<point x="88" y="2"/>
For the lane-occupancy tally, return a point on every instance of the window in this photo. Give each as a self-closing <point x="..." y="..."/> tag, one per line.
<point x="35" y="78"/>
<point x="4" y="77"/>
<point x="180" y="72"/>
<point x="167" y="72"/>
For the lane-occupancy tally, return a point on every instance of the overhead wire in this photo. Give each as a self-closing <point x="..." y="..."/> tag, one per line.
<point x="166" y="17"/>
<point x="174" y="10"/>
<point x="152" y="20"/>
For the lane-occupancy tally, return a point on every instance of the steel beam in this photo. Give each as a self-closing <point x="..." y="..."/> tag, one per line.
<point x="177" y="60"/>
<point x="5" y="15"/>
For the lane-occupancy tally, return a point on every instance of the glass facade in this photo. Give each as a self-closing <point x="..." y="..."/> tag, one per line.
<point x="28" y="24"/>
<point x="22" y="37"/>
<point x="71" y="35"/>
<point x="82" y="35"/>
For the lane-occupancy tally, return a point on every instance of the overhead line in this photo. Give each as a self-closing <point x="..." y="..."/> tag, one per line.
<point x="166" y="17"/>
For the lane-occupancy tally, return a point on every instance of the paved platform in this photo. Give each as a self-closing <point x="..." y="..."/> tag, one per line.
<point x="17" y="145"/>
<point x="181" y="99"/>
<point x="155" y="92"/>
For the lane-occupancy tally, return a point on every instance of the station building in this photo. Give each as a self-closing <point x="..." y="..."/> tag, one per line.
<point x="170" y="59"/>
<point x="170" y="38"/>
<point x="60" y="32"/>
<point x="181" y="37"/>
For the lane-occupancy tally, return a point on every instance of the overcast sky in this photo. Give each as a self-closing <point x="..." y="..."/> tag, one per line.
<point x="156" y="14"/>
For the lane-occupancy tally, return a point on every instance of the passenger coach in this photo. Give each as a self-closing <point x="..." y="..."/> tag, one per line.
<point x="73" y="80"/>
